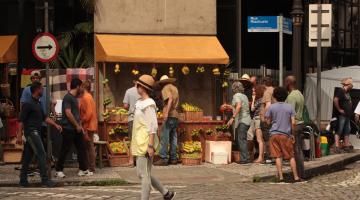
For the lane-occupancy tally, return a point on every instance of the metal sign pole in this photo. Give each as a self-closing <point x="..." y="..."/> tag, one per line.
<point x="318" y="50"/>
<point x="48" y="137"/>
<point x="281" y="68"/>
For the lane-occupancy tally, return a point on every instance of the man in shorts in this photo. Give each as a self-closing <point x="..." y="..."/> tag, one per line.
<point x="281" y="116"/>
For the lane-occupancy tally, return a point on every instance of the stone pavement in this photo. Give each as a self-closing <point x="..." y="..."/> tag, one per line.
<point x="179" y="174"/>
<point x="342" y="185"/>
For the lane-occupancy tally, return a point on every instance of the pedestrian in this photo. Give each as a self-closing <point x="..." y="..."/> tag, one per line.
<point x="242" y="119"/>
<point x="73" y="131"/>
<point x="170" y="97"/>
<point x="145" y="139"/>
<point x="281" y="116"/>
<point x="296" y="100"/>
<point x="357" y="113"/>
<point x="255" y="123"/>
<point x="31" y="119"/>
<point x="2" y="135"/>
<point x="248" y="86"/>
<point x="253" y="80"/>
<point x="89" y="122"/>
<point x="343" y="112"/>
<point x="130" y="98"/>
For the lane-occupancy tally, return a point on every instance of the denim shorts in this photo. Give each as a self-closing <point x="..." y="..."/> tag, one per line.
<point x="344" y="127"/>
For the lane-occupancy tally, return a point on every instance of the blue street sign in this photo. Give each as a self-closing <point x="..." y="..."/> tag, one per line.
<point x="263" y="24"/>
<point x="287" y="26"/>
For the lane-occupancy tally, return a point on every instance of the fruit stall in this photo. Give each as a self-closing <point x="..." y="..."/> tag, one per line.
<point x="197" y="62"/>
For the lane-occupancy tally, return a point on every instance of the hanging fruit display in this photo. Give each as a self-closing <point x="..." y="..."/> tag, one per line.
<point x="171" y="71"/>
<point x="105" y="81"/>
<point x="107" y="102"/>
<point x="216" y="71"/>
<point x="117" y="68"/>
<point x="185" y="70"/>
<point x="135" y="71"/>
<point x="227" y="73"/>
<point x="225" y="84"/>
<point x="154" y="72"/>
<point x="200" y="69"/>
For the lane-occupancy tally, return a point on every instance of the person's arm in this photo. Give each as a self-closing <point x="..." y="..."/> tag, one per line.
<point x="72" y="120"/>
<point x="293" y="126"/>
<point x="152" y="126"/>
<point x="85" y="114"/>
<point x="53" y="123"/>
<point x="337" y="105"/>
<point x="267" y="116"/>
<point x="167" y="107"/>
<point x="236" y="112"/>
<point x="126" y="101"/>
<point x="22" y="117"/>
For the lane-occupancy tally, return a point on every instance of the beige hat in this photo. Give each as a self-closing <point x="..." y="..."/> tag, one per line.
<point x="146" y="81"/>
<point x="245" y="77"/>
<point x="35" y="73"/>
<point x="347" y="81"/>
<point x="165" y="79"/>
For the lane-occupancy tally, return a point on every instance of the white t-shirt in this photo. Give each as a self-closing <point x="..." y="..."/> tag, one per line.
<point x="357" y="109"/>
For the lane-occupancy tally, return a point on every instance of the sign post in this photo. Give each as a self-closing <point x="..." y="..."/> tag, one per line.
<point x="45" y="49"/>
<point x="278" y="24"/>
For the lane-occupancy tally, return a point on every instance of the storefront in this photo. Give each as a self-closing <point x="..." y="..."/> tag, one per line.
<point x="197" y="62"/>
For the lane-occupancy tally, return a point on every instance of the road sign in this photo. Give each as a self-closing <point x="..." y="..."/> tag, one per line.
<point x="326" y="15"/>
<point x="263" y="24"/>
<point x="287" y="25"/>
<point x="45" y="47"/>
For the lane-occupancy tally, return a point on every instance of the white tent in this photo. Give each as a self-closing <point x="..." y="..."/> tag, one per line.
<point x="329" y="81"/>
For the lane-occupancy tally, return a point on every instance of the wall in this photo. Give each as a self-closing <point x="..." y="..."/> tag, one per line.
<point x="196" y="17"/>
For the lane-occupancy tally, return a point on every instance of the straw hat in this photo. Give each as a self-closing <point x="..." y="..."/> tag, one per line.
<point x="347" y="81"/>
<point x="35" y="73"/>
<point x="245" y="77"/>
<point x="146" y="81"/>
<point x="165" y="79"/>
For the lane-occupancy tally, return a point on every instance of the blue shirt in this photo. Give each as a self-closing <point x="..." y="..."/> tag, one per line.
<point x="280" y="114"/>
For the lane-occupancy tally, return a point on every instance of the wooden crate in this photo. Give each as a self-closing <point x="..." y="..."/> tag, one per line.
<point x="191" y="161"/>
<point x="12" y="155"/>
<point x="194" y="116"/>
<point x="119" y="160"/>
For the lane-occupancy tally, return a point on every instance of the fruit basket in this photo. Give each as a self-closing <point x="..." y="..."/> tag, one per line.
<point x="118" y="115"/>
<point x="192" y="112"/>
<point x="118" y="133"/>
<point x="191" y="153"/>
<point x="221" y="133"/>
<point x="119" y="153"/>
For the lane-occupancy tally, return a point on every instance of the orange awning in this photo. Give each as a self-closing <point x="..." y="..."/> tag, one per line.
<point x="159" y="49"/>
<point x="8" y="49"/>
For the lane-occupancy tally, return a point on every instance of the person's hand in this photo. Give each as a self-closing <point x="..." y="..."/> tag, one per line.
<point x="292" y="139"/>
<point x="86" y="136"/>
<point x="79" y="129"/>
<point x="165" y="116"/>
<point x="19" y="139"/>
<point x="230" y="122"/>
<point x="342" y="112"/>
<point x="59" y="128"/>
<point x="150" y="151"/>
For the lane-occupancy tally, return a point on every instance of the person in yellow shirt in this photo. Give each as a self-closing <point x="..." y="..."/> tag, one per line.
<point x="89" y="122"/>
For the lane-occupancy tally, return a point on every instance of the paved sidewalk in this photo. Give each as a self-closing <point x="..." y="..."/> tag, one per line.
<point x="179" y="174"/>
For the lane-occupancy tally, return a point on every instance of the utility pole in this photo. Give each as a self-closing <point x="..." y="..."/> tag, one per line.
<point x="319" y="56"/>
<point x="281" y="46"/>
<point x="297" y="17"/>
<point x="238" y="36"/>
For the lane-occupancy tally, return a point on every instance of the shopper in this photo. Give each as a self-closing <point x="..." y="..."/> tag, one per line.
<point x="255" y="128"/>
<point x="242" y="119"/>
<point x="89" y="121"/>
<point x="31" y="119"/>
<point x="130" y="98"/>
<point x="170" y="97"/>
<point x="281" y="116"/>
<point x="73" y="132"/>
<point x="2" y="135"/>
<point x="296" y="100"/>
<point x="145" y="140"/>
<point x="343" y="112"/>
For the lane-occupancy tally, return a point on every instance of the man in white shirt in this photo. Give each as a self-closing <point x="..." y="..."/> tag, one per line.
<point x="357" y="113"/>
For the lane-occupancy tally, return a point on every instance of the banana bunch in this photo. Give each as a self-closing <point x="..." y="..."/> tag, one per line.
<point x="105" y="81"/>
<point x="227" y="72"/>
<point x="106" y="114"/>
<point x="191" y="147"/>
<point x="120" y="111"/>
<point x="117" y="69"/>
<point x="190" y="108"/>
<point x="216" y="71"/>
<point x="171" y="71"/>
<point x="200" y="69"/>
<point x="135" y="72"/>
<point x="119" y="147"/>
<point x="185" y="70"/>
<point x="107" y="102"/>
<point x="159" y="114"/>
<point x="225" y="84"/>
<point x="154" y="72"/>
<point x="195" y="133"/>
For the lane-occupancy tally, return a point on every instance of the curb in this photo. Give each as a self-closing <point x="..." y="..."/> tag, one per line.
<point x="313" y="171"/>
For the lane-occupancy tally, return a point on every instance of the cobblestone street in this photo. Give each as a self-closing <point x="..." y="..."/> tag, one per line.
<point x="340" y="185"/>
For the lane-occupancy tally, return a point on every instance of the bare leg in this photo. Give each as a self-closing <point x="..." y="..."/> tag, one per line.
<point x="279" y="168"/>
<point x="260" y="140"/>
<point x="293" y="168"/>
<point x="346" y="141"/>
<point x="337" y="140"/>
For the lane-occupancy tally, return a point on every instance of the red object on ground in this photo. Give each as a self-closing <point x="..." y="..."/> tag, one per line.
<point x="317" y="148"/>
<point x="12" y="127"/>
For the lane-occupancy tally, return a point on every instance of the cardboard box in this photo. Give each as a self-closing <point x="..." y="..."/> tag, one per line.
<point x="215" y="147"/>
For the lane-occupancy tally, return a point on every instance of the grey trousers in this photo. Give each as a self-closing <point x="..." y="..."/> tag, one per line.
<point x="143" y="168"/>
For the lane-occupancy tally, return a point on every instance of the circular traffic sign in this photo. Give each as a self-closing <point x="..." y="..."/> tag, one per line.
<point x="45" y="47"/>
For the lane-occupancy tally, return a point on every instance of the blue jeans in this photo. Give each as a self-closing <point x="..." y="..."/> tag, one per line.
<point x="344" y="127"/>
<point x="33" y="144"/>
<point x="169" y="135"/>
<point x="241" y="140"/>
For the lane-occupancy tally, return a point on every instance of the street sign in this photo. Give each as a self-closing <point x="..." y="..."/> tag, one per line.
<point x="45" y="47"/>
<point x="287" y="25"/>
<point x="326" y="16"/>
<point x="263" y="24"/>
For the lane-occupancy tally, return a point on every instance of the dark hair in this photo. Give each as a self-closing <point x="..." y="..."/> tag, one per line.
<point x="149" y="92"/>
<point x="75" y="82"/>
<point x="268" y="81"/>
<point x="259" y="91"/>
<point x="280" y="94"/>
<point x="86" y="85"/>
<point x="34" y="86"/>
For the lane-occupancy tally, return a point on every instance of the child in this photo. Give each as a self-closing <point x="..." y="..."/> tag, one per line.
<point x="283" y="127"/>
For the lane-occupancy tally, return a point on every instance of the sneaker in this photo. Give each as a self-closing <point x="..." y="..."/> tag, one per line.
<point x="161" y="162"/>
<point x="169" y="195"/>
<point x="48" y="184"/>
<point x="173" y="162"/>
<point x="300" y="181"/>
<point x="89" y="173"/>
<point x="60" y="174"/>
<point x="348" y="149"/>
<point x="243" y="162"/>
<point x="82" y="173"/>
<point x="337" y="150"/>
<point x="24" y="184"/>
